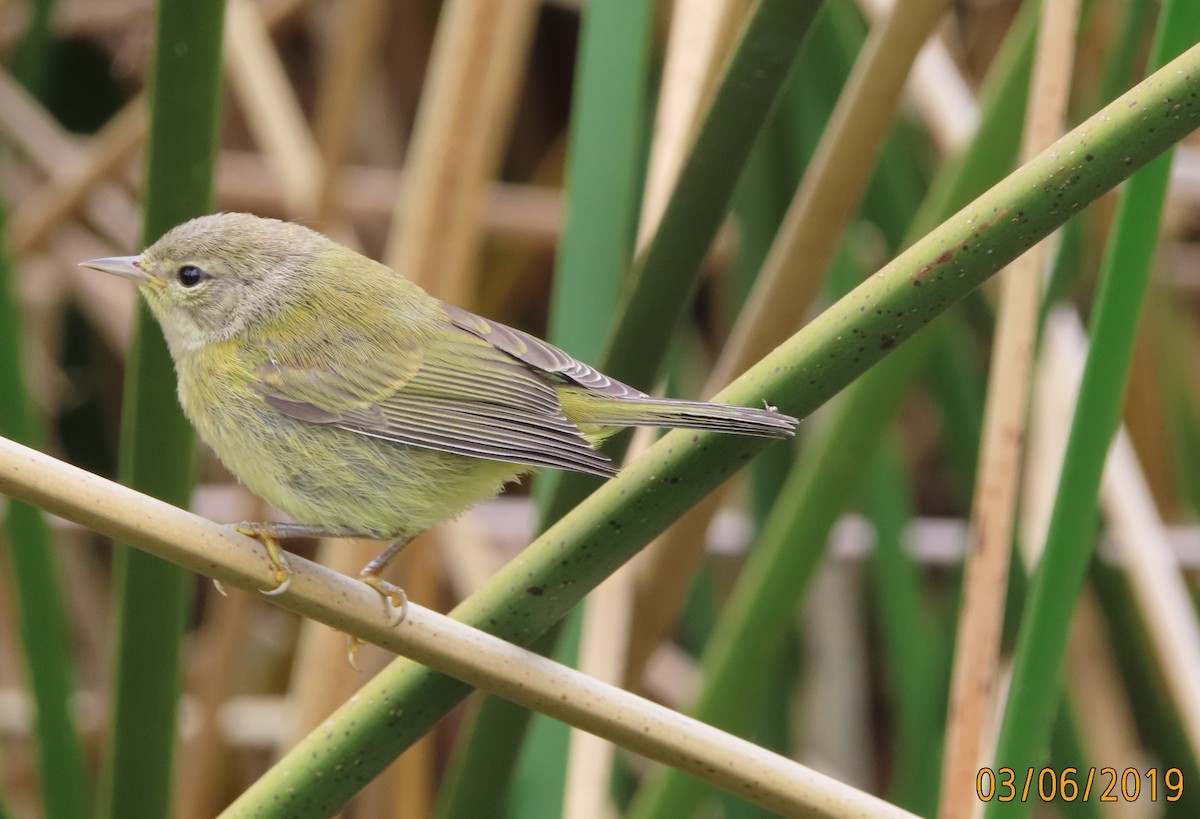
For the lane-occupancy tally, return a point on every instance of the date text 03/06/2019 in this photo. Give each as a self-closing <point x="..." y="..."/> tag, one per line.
<point x="1071" y="784"/>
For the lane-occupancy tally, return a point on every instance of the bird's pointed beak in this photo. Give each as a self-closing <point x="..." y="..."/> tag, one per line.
<point x="127" y="267"/>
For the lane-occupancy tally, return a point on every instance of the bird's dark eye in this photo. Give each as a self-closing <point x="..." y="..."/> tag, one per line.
<point x="189" y="275"/>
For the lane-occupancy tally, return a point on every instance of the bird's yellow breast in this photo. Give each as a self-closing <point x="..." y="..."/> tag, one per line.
<point x="320" y="474"/>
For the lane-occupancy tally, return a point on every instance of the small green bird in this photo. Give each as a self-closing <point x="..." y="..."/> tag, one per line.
<point x="360" y="405"/>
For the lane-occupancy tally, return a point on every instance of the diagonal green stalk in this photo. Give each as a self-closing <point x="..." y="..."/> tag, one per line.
<point x="793" y="541"/>
<point x="41" y="611"/>
<point x="156" y="440"/>
<point x="542" y="584"/>
<point x="1125" y="275"/>
<point x="604" y="161"/>
<point x="787" y="553"/>
<point x="590" y="255"/>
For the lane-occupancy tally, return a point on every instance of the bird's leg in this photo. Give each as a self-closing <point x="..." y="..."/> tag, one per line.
<point x="270" y="534"/>
<point x="265" y="533"/>
<point x="392" y="594"/>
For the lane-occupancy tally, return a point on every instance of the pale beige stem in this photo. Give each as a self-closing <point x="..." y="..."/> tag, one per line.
<point x="354" y="49"/>
<point x="936" y="87"/>
<point x="319" y="683"/>
<point x="702" y="32"/>
<point x="245" y="182"/>
<point x="831" y="190"/>
<point x="26" y="123"/>
<point x="993" y="511"/>
<point x="280" y="11"/>
<point x="467" y="103"/>
<point x="415" y="772"/>
<point x="48" y="147"/>
<point x="265" y="95"/>
<point x="200" y="784"/>
<point x="104" y="156"/>
<point x="660" y="593"/>
<point x="603" y="648"/>
<point x="1163" y="598"/>
<point x="792" y="273"/>
<point x="1096" y="688"/>
<point x="446" y="645"/>
<point x="469" y="555"/>
<point x="479" y="57"/>
<point x="84" y="186"/>
<point x="82" y="20"/>
<point x="833" y="722"/>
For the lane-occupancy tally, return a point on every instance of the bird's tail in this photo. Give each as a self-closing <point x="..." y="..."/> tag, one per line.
<point x="669" y="412"/>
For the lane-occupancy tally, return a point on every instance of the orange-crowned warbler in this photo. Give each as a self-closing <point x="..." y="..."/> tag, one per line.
<point x="360" y="405"/>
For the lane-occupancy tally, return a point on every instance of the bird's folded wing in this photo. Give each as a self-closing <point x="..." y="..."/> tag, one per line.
<point x="540" y="355"/>
<point x="463" y="396"/>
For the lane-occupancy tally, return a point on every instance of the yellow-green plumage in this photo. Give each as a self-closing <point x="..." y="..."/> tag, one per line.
<point x="354" y="401"/>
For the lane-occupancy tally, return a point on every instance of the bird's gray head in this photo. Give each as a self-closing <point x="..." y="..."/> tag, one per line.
<point x="213" y="277"/>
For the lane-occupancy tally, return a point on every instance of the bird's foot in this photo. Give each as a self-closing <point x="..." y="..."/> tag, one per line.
<point x="393" y="597"/>
<point x="283" y="574"/>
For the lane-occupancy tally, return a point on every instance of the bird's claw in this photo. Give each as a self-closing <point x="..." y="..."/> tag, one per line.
<point x="283" y="573"/>
<point x="283" y="579"/>
<point x="397" y="604"/>
<point x="393" y="596"/>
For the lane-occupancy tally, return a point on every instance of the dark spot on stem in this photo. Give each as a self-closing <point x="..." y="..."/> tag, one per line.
<point x="946" y="256"/>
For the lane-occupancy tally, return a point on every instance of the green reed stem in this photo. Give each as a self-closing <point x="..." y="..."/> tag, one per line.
<point x="537" y="588"/>
<point x="156" y="441"/>
<point x="41" y="610"/>
<point x="1125" y="275"/>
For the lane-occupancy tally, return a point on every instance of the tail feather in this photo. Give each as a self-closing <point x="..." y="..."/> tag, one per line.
<point x="668" y="412"/>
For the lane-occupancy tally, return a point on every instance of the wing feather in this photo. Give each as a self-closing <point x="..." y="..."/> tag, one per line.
<point x="462" y="395"/>
<point x="537" y="353"/>
<point x="440" y="424"/>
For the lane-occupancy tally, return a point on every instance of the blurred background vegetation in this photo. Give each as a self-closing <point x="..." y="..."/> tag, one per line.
<point x="522" y="178"/>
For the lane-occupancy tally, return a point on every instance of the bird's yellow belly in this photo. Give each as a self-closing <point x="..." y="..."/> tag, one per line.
<point x="324" y="476"/>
